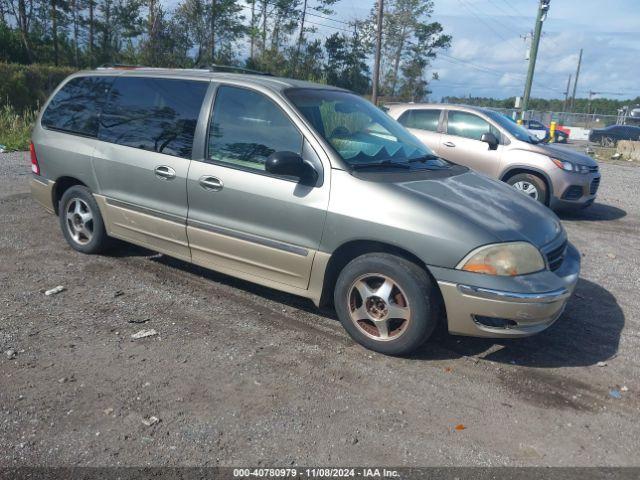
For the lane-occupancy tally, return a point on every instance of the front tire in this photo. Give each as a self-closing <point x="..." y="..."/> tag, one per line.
<point x="386" y="303"/>
<point x="531" y="185"/>
<point x="81" y="221"/>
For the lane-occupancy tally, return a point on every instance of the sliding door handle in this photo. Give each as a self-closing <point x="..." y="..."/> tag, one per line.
<point x="449" y="144"/>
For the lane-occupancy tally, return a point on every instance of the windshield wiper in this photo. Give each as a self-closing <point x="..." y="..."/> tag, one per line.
<point x="384" y="163"/>
<point x="424" y="158"/>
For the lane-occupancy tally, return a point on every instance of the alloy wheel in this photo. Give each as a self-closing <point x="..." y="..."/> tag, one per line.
<point x="79" y="220"/>
<point x="378" y="307"/>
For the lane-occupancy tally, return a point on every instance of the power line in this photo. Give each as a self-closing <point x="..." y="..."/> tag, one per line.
<point x="489" y="71"/>
<point x="329" y="18"/>
<point x="465" y="5"/>
<point x="517" y="12"/>
<point x="276" y="6"/>
<point x="471" y="86"/>
<point x="511" y="26"/>
<point x="477" y="67"/>
<point x="328" y="26"/>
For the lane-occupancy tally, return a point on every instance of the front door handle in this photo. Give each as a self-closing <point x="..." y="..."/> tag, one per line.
<point x="449" y="144"/>
<point x="210" y="183"/>
<point x="164" y="172"/>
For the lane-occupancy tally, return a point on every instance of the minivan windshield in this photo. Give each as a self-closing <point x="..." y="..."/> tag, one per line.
<point x="512" y="127"/>
<point x="363" y="135"/>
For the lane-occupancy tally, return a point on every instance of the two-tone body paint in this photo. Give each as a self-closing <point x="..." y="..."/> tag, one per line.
<point x="282" y="234"/>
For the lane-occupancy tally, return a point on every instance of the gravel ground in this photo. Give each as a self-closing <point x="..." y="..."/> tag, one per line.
<point x="243" y="375"/>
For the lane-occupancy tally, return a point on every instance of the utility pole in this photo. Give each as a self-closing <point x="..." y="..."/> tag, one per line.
<point x="543" y="8"/>
<point x="566" y="96"/>
<point x="376" y="65"/>
<point x="575" y="83"/>
<point x="591" y="95"/>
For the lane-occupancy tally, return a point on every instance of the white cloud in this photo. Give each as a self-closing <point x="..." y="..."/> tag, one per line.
<point x="465" y="48"/>
<point x="609" y="61"/>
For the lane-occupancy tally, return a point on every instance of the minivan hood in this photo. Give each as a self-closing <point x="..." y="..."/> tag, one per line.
<point x="492" y="205"/>
<point x="562" y="153"/>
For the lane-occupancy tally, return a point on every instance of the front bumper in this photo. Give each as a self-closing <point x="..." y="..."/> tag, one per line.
<point x="573" y="191"/>
<point x="533" y="303"/>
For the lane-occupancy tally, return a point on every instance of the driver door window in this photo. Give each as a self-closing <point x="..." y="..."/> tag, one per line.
<point x="247" y="127"/>
<point x="461" y="144"/>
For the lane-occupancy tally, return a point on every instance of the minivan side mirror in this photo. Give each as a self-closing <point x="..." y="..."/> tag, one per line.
<point x="291" y="164"/>
<point x="491" y="139"/>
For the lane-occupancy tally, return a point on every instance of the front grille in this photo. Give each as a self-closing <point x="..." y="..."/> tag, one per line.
<point x="574" y="192"/>
<point x="556" y="256"/>
<point x="595" y="183"/>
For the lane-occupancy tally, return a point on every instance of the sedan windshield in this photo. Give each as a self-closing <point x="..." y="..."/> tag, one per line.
<point x="363" y="135"/>
<point x="512" y="127"/>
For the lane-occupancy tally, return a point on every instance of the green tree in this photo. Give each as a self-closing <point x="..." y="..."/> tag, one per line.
<point x="346" y="64"/>
<point x="428" y="40"/>
<point x="212" y="28"/>
<point x="410" y="41"/>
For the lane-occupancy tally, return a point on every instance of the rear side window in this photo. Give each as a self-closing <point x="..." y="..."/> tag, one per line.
<point x="423" y="119"/>
<point x="468" y="125"/>
<point x="247" y="127"/>
<point x="77" y="105"/>
<point x="155" y="114"/>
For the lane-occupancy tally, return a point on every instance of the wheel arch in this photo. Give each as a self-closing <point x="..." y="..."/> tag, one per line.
<point x="61" y="185"/>
<point x="346" y="252"/>
<point x="517" y="169"/>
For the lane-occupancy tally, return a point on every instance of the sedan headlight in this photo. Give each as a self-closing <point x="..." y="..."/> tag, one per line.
<point x="508" y="259"/>
<point x="569" y="166"/>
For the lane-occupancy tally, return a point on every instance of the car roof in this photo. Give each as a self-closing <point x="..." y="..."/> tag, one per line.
<point x="274" y="83"/>
<point x="450" y="106"/>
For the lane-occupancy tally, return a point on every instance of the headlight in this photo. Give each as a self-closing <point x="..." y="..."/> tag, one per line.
<point x="509" y="259"/>
<point x="569" y="166"/>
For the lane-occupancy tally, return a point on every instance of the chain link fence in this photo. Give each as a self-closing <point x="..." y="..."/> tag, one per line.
<point x="581" y="120"/>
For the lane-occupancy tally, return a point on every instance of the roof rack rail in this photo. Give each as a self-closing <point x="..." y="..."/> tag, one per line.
<point x="120" y="66"/>
<point x="233" y="69"/>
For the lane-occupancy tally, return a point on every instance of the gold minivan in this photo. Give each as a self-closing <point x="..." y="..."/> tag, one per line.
<point x="304" y="188"/>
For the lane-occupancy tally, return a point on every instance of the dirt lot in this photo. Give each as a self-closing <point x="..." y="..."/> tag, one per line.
<point x="241" y="374"/>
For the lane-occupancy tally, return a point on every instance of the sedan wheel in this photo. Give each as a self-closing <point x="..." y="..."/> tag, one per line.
<point x="607" y="142"/>
<point x="531" y="185"/>
<point x="527" y="188"/>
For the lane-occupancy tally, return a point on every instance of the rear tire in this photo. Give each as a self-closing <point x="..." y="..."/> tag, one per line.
<point x="531" y="185"/>
<point x="607" y="142"/>
<point x="81" y="221"/>
<point x="387" y="303"/>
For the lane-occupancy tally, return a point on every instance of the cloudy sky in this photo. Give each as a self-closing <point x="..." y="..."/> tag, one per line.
<point x="487" y="56"/>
